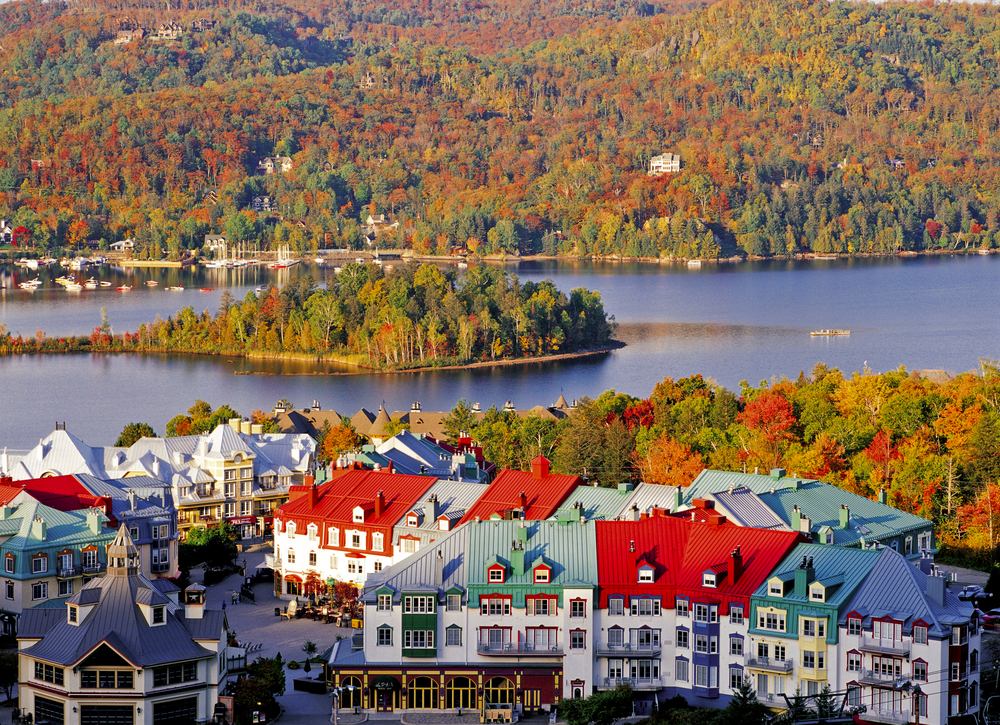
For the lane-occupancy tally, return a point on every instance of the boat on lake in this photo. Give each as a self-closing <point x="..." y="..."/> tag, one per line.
<point x="829" y="333"/>
<point x="73" y="287"/>
<point x="152" y="283"/>
<point x="124" y="288"/>
<point x="175" y="289"/>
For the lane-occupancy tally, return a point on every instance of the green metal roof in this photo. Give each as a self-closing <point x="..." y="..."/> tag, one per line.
<point x="597" y="503"/>
<point x="821" y="502"/>
<point x="828" y="562"/>
<point x="570" y="550"/>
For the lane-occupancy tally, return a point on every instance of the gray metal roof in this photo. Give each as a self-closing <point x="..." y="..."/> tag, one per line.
<point x="744" y="507"/>
<point x="596" y="502"/>
<point x="421" y="568"/>
<point x="646" y="495"/>
<point x="454" y="498"/>
<point x="897" y="588"/>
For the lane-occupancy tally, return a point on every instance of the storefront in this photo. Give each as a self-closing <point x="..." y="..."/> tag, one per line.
<point x="246" y="526"/>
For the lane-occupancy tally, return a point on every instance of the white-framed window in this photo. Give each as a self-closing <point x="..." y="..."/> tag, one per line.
<point x="682" y="639"/>
<point x="541" y="575"/>
<point x="541" y="607"/>
<point x="735" y="677"/>
<point x="736" y="615"/>
<point x="496" y="575"/>
<point x="418" y="605"/>
<point x="774" y="621"/>
<point x="313" y="532"/>
<point x="681" y="670"/>
<point x="853" y="625"/>
<point x="616" y="607"/>
<point x="418" y="639"/>
<point x="290" y="529"/>
<point x="9" y="589"/>
<point x="736" y="646"/>
<point x="384" y="602"/>
<point x="645" y="574"/>
<point x="701" y="644"/>
<point x="646" y="607"/>
<point x="377" y="566"/>
<point x="291" y="556"/>
<point x="377" y="540"/>
<point x="333" y="536"/>
<point x="385" y="636"/>
<point x="854" y="662"/>
<point x="706" y="676"/>
<point x="578" y="608"/>
<point x="357" y="539"/>
<point x="409" y="545"/>
<point x="454" y="603"/>
<point x="453" y="636"/>
<point x="39" y="564"/>
<point x="8" y="564"/>
<point x="708" y="579"/>
<point x="701" y="613"/>
<point x="40" y="590"/>
<point x="775" y="589"/>
<point x="682" y="608"/>
<point x="920" y="635"/>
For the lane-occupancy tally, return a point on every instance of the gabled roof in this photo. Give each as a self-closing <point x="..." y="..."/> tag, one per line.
<point x="821" y="502"/>
<point x="59" y="452"/>
<point x="745" y="508"/>
<point x="454" y="498"/>
<point x="681" y="551"/>
<point x="337" y="499"/>
<point x="64" y="493"/>
<point x="597" y="503"/>
<point x="544" y="493"/>
<point x="894" y="587"/>
<point x="421" y="567"/>
<point x="828" y="561"/>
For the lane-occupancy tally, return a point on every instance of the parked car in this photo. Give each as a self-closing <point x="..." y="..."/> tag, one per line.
<point x="971" y="593"/>
<point x="991" y="619"/>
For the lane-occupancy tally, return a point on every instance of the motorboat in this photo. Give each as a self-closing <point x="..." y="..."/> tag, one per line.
<point x="124" y="288"/>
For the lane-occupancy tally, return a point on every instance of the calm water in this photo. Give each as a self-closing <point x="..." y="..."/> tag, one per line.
<point x="745" y="321"/>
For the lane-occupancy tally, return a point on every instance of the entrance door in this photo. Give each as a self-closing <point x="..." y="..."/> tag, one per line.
<point x="383" y="700"/>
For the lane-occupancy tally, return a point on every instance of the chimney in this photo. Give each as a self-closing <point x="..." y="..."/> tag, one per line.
<point x="517" y="560"/>
<point x="805" y="524"/>
<point x="5" y="512"/>
<point x="845" y="517"/>
<point x="432" y="506"/>
<point x="379" y="504"/>
<point x="308" y="480"/>
<point x="94" y="521"/>
<point x="131" y="499"/>
<point x="38" y="528"/>
<point x="678" y="499"/>
<point x="156" y="467"/>
<point x="522" y="501"/>
<point x="235" y="423"/>
<point x="439" y="569"/>
<point x="795" y="518"/>
<point x="540" y="467"/>
<point x="883" y="497"/>
<point x="257" y="429"/>
<point x="804" y="576"/>
<point x="926" y="562"/>
<point x="631" y="546"/>
<point x="936" y="588"/>
<point x="735" y="566"/>
<point x="245" y="427"/>
<point x="634" y="513"/>
<point x="388" y="468"/>
<point x="313" y="496"/>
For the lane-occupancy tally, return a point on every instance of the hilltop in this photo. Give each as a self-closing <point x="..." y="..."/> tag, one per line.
<point x="803" y="126"/>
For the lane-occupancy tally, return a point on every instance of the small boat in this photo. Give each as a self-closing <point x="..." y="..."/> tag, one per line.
<point x="985" y="251"/>
<point x="829" y="333"/>
<point x="91" y="284"/>
<point x="175" y="289"/>
<point x="206" y="289"/>
<point x="73" y="287"/>
<point x="30" y="285"/>
<point x="124" y="288"/>
<point x="105" y="284"/>
<point x="694" y="263"/>
<point x="261" y="288"/>
<point x="152" y="283"/>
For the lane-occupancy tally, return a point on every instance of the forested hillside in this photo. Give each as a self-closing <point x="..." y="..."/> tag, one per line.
<point x="803" y="125"/>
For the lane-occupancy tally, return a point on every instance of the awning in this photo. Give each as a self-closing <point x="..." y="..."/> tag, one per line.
<point x="353" y="555"/>
<point x="268" y="519"/>
<point x="386" y="683"/>
<point x="242" y="520"/>
<point x="293" y="578"/>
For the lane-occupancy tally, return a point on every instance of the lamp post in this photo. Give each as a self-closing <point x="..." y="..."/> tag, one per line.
<point x="335" y="694"/>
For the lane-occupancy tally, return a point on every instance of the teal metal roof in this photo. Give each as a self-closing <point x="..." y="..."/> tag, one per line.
<point x="63" y="529"/>
<point x="828" y="562"/>
<point x="596" y="503"/>
<point x="571" y="551"/>
<point x="821" y="502"/>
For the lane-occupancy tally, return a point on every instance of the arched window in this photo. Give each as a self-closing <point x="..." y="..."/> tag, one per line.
<point x="499" y="691"/>
<point x="422" y="694"/>
<point x="349" y="697"/>
<point x="460" y="692"/>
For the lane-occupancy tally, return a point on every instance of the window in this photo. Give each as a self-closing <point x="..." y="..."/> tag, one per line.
<point x="454" y="602"/>
<point x="809" y="660"/>
<point x="384" y="602"/>
<point x="39" y="564"/>
<point x="956" y="672"/>
<point x="853" y="662"/>
<point x="908" y="548"/>
<point x="246" y="473"/>
<point x="854" y="696"/>
<point x="8" y="564"/>
<point x="410" y="546"/>
<point x="377" y="566"/>
<point x="616" y="607"/>
<point x="682" y="608"/>
<point x="816" y="594"/>
<point x="708" y="579"/>
<point x="453" y="636"/>
<point x="713" y="614"/>
<point x="776" y="589"/>
<point x="682" y="638"/>
<point x="353" y="567"/>
<point x="578" y="608"/>
<point x="577" y="639"/>
<point x="356" y="540"/>
<point x="496" y="575"/>
<point x="48" y="673"/>
<point x="541" y="575"/>
<point x="736" y="615"/>
<point x="735" y="677"/>
<point x="173" y="674"/>
<point x="645" y="575"/>
<point x="157" y="615"/>
<point x="377" y="540"/>
<point x="10" y="589"/>
<point x="106" y="679"/>
<point x="920" y="635"/>
<point x="230" y="509"/>
<point x="230" y="474"/>
<point x="854" y="625"/>
<point x="681" y="670"/>
<point x="646" y="607"/>
<point x="771" y="620"/>
<point x="701" y="612"/>
<point x="701" y="644"/>
<point x="246" y="508"/>
<point x="40" y="590"/>
<point x="920" y="671"/>
<point x="418" y="605"/>
<point x="705" y="676"/>
<point x="418" y="639"/>
<point x="72" y="614"/>
<point x="974" y="661"/>
<point x="736" y="646"/>
<point x="333" y="536"/>
<point x="809" y="627"/>
<point x="385" y="636"/>
<point x="541" y="607"/>
<point x="495" y="606"/>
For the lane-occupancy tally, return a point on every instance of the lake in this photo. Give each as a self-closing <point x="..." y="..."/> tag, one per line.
<point x="731" y="322"/>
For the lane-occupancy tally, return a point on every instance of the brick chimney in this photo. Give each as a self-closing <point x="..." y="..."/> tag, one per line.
<point x="313" y="496"/>
<point x="309" y="479"/>
<point x="735" y="566"/>
<point x="540" y="467"/>
<point x="522" y="501"/>
<point x="379" y="504"/>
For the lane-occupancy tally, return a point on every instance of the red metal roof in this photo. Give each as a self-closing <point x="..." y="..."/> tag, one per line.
<point x="543" y="492"/>
<point x="680" y="551"/>
<point x="337" y="499"/>
<point x="63" y="493"/>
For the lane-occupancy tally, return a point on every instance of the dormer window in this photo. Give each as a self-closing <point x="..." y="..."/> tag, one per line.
<point x="817" y="594"/>
<point x="291" y="528"/>
<point x="73" y="615"/>
<point x="444" y="524"/>
<point x="542" y="575"/>
<point x="645" y="574"/>
<point x="313" y="530"/>
<point x="497" y="575"/>
<point x="411" y="520"/>
<point x="158" y="614"/>
<point x="359" y="515"/>
<point x="333" y="536"/>
<point x="39" y="564"/>
<point x="776" y="588"/>
<point x="708" y="579"/>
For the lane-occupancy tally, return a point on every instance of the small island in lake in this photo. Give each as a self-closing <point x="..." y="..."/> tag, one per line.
<point x="414" y="317"/>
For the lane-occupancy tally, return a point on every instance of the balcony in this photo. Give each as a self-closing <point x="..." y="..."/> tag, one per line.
<point x="644" y="684"/>
<point x="768" y="663"/>
<point x="872" y="677"/>
<point x="204" y="492"/>
<point x="94" y="569"/>
<point x="771" y="700"/>
<point x="517" y="649"/>
<point x="893" y="717"/>
<point x="69" y="572"/>
<point x="885" y="646"/>
<point x="624" y="649"/>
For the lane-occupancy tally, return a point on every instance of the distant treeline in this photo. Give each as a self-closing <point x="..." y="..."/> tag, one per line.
<point x="414" y="316"/>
